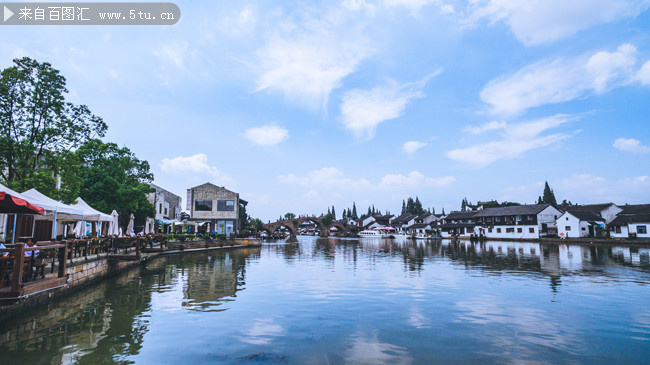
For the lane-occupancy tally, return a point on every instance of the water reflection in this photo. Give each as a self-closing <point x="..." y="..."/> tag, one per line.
<point x="326" y="300"/>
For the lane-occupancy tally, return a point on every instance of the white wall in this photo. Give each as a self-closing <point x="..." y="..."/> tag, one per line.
<point x="573" y="223"/>
<point x="610" y="213"/>
<point x="633" y="228"/>
<point x="623" y="234"/>
<point x="525" y="232"/>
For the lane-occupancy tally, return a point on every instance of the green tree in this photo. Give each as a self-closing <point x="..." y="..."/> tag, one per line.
<point x="345" y="214"/>
<point x="403" y="206"/>
<point x="289" y="216"/>
<point x="354" y="211"/>
<point x="417" y="206"/>
<point x="333" y="213"/>
<point x="39" y="129"/>
<point x="327" y="219"/>
<point x="548" y="197"/>
<point x="113" y="178"/>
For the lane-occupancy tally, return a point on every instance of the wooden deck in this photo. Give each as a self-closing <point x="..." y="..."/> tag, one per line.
<point x="32" y="287"/>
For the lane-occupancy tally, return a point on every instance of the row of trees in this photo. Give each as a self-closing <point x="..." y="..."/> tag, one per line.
<point x="54" y="146"/>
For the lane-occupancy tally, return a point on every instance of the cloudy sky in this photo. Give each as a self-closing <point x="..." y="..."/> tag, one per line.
<point x="298" y="105"/>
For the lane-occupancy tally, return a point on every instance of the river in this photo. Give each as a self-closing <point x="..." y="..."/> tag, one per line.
<point x="331" y="301"/>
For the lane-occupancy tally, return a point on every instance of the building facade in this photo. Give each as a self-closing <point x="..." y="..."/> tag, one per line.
<point x="215" y="206"/>
<point x="517" y="222"/>
<point x="579" y="224"/>
<point x="167" y="204"/>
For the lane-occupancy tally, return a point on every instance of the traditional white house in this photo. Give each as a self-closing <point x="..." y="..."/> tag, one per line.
<point x="401" y="222"/>
<point x="579" y="224"/>
<point x="418" y="228"/>
<point x="607" y="211"/>
<point x="517" y="222"/>
<point x="632" y="222"/>
<point x="457" y="223"/>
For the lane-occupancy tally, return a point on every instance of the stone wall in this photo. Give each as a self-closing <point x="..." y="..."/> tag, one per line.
<point x="212" y="192"/>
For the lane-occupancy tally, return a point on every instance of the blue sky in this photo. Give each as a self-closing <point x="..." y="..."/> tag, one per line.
<point x="299" y="105"/>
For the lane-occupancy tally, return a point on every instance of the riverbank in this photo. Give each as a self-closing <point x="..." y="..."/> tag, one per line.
<point x="84" y="272"/>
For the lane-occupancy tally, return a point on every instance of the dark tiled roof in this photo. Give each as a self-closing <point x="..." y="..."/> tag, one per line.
<point x="635" y="209"/>
<point x="457" y="225"/>
<point x="624" y="219"/>
<point x="591" y="208"/>
<point x="418" y="225"/>
<point x="587" y="216"/>
<point x="460" y="215"/>
<point x="404" y="218"/>
<point x="512" y="210"/>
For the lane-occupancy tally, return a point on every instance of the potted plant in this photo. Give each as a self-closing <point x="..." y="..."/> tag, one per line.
<point x="181" y="239"/>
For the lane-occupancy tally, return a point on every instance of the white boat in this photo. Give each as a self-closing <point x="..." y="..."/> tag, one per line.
<point x="369" y="233"/>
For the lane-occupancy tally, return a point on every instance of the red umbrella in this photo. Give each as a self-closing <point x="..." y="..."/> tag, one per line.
<point x="13" y="204"/>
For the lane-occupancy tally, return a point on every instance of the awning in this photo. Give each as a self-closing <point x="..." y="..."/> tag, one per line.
<point x="90" y="213"/>
<point x="14" y="202"/>
<point x="64" y="211"/>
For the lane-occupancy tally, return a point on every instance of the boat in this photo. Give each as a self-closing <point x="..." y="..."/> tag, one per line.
<point x="369" y="233"/>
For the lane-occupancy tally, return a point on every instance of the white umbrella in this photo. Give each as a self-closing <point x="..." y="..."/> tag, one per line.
<point x="115" y="229"/>
<point x="129" y="228"/>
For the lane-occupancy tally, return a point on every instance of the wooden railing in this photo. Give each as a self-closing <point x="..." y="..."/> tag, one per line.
<point x="17" y="265"/>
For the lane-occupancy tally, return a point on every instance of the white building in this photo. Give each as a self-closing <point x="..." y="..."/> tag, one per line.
<point x="579" y="224"/>
<point x="517" y="222"/>
<point x="607" y="211"/>
<point x="632" y="222"/>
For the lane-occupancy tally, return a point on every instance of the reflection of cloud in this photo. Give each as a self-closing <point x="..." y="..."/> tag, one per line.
<point x="417" y="319"/>
<point x="262" y="331"/>
<point x="533" y="325"/>
<point x="371" y="351"/>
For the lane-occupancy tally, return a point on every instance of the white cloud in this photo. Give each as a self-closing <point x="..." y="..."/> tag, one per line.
<point x="412" y="180"/>
<point x="331" y="177"/>
<point x="305" y="62"/>
<point x="536" y="22"/>
<point x="363" y="110"/>
<point x="560" y="80"/>
<point x="371" y="7"/>
<point x="196" y="164"/>
<point x="174" y="52"/>
<point x="587" y="188"/>
<point x="485" y="127"/>
<point x="411" y="146"/>
<point x="267" y="135"/>
<point x="516" y="140"/>
<point x="643" y="76"/>
<point x="631" y="145"/>
<point x="240" y="22"/>
<point x="605" y="67"/>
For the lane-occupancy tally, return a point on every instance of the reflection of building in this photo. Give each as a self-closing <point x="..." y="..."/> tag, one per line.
<point x="216" y="206"/>
<point x="167" y="204"/>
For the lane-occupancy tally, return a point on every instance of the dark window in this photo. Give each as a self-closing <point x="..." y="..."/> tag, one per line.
<point x="510" y="230"/>
<point x="641" y="230"/>
<point x="519" y="230"/>
<point x="203" y="205"/>
<point x="225" y="205"/>
<point x="498" y="230"/>
<point x="165" y="211"/>
<point x="567" y="228"/>
<point x="618" y="229"/>
<point x="531" y="230"/>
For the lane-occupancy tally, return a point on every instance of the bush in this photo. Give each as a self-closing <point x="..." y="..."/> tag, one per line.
<point x="221" y="236"/>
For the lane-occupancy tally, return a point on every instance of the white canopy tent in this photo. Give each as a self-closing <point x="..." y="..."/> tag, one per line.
<point x="59" y="211"/>
<point x="90" y="213"/>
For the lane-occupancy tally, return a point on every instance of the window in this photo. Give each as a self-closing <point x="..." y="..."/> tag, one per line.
<point x="567" y="218"/>
<point x="519" y="218"/>
<point x="519" y="230"/>
<point x="584" y="228"/>
<point x="510" y="230"/>
<point x="567" y="228"/>
<point x="203" y="205"/>
<point x="489" y="230"/>
<point x="641" y="230"/>
<point x="165" y="211"/>
<point x="160" y="208"/>
<point x="225" y="205"/>
<point x="531" y="230"/>
<point x="498" y="230"/>
<point x="497" y="219"/>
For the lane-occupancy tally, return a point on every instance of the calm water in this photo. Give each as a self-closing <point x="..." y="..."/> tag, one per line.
<point x="328" y="301"/>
